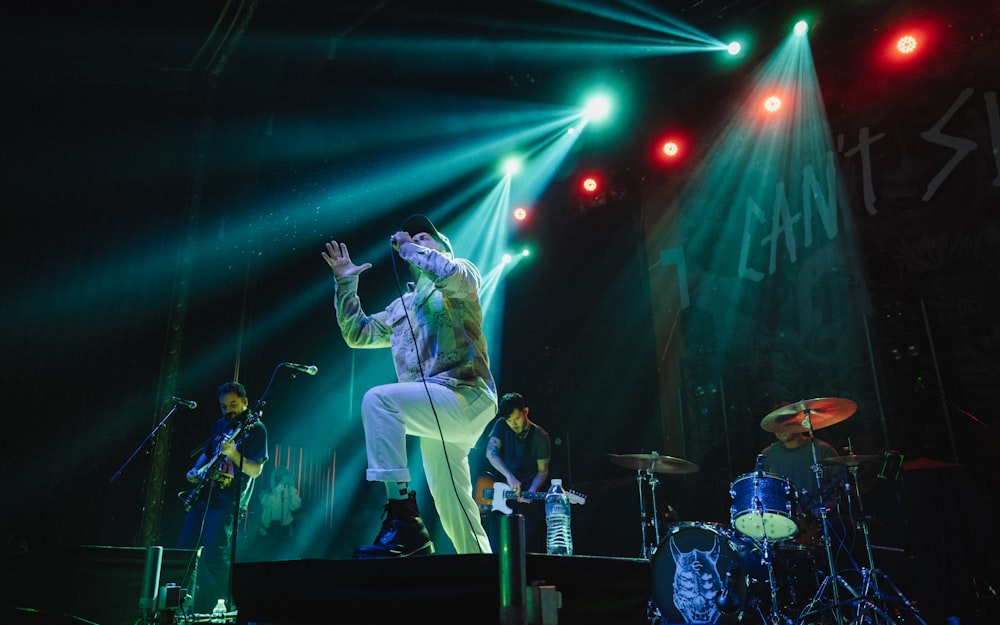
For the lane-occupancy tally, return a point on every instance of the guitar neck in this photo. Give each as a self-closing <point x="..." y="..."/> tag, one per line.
<point x="488" y="494"/>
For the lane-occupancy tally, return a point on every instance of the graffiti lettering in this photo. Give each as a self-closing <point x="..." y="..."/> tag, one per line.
<point x="961" y="146"/>
<point x="864" y="148"/>
<point x="783" y="221"/>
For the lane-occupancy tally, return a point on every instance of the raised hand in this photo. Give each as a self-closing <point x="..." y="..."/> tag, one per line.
<point x="339" y="260"/>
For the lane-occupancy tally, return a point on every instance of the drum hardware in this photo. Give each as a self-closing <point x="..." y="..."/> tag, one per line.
<point x="650" y="465"/>
<point x="765" y="509"/>
<point x="852" y="461"/>
<point x="866" y="601"/>
<point x="764" y="505"/>
<point x="808" y="416"/>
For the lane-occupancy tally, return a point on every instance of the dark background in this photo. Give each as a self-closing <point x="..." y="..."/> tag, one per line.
<point x="159" y="167"/>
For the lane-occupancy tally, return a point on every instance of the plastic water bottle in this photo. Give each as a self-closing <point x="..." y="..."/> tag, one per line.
<point x="558" y="538"/>
<point x="219" y="612"/>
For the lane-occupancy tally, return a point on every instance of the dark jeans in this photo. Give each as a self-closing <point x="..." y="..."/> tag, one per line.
<point x="210" y="526"/>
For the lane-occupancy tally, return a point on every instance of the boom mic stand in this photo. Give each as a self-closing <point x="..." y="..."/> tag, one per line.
<point x="148" y="438"/>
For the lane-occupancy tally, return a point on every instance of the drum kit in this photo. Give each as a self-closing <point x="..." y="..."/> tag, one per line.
<point x="707" y="572"/>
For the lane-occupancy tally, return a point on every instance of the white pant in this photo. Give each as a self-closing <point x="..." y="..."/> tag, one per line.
<point x="391" y="411"/>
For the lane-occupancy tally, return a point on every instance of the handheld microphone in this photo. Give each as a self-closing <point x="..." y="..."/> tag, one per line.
<point x="309" y="369"/>
<point x="187" y="403"/>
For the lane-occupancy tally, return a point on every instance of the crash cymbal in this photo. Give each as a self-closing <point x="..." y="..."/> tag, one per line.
<point x="852" y="460"/>
<point x="653" y="462"/>
<point x="822" y="412"/>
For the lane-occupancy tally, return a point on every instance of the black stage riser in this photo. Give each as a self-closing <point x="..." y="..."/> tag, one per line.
<point x="434" y="589"/>
<point x="86" y="584"/>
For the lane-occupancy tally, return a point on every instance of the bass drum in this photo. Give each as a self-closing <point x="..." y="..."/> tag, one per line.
<point x="705" y="572"/>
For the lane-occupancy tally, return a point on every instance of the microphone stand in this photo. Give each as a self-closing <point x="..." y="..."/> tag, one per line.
<point x="237" y="499"/>
<point x="149" y="437"/>
<point x="244" y="431"/>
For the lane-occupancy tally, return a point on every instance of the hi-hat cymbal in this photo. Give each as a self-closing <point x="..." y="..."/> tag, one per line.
<point x="653" y="462"/>
<point x="821" y="412"/>
<point x="852" y="460"/>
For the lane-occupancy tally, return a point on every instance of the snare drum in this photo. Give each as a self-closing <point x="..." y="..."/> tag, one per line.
<point x="696" y="563"/>
<point x="765" y="505"/>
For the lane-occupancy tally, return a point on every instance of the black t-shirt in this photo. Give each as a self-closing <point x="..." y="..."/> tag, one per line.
<point x="251" y="442"/>
<point x="521" y="454"/>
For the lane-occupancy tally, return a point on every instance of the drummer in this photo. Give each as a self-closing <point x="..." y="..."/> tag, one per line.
<point x="791" y="457"/>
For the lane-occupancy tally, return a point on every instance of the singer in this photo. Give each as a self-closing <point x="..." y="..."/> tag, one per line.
<point x="209" y="522"/>
<point x="443" y="387"/>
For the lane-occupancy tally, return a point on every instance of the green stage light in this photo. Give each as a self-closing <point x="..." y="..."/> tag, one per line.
<point x="598" y="107"/>
<point x="512" y="166"/>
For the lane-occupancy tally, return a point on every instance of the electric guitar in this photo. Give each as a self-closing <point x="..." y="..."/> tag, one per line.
<point x="496" y="498"/>
<point x="207" y="472"/>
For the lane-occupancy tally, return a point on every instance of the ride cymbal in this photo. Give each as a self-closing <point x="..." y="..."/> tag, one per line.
<point x="852" y="460"/>
<point x="653" y="462"/>
<point x="808" y="414"/>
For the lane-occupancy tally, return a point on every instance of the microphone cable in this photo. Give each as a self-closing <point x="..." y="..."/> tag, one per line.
<point x="423" y="379"/>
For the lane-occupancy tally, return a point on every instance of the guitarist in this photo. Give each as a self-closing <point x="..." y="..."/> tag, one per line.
<point x="209" y="522"/>
<point x="519" y="451"/>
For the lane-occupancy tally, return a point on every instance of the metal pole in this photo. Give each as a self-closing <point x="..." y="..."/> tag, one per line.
<point x="937" y="375"/>
<point x="725" y="425"/>
<point x="513" y="606"/>
<point x="878" y="392"/>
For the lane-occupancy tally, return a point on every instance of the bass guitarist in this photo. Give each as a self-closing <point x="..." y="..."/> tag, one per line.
<point x="519" y="451"/>
<point x="233" y="457"/>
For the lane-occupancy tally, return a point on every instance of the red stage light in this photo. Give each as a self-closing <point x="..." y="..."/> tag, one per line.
<point x="590" y="185"/>
<point x="669" y="149"/>
<point x="903" y="46"/>
<point x="907" y="44"/>
<point x="772" y="104"/>
<point x="520" y="214"/>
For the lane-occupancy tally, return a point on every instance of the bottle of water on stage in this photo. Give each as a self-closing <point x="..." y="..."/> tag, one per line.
<point x="219" y="612"/>
<point x="558" y="538"/>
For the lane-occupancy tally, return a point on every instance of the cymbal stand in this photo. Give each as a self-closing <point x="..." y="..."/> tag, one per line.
<point x="772" y="582"/>
<point x="648" y="547"/>
<point x="869" y="590"/>
<point x="832" y="579"/>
